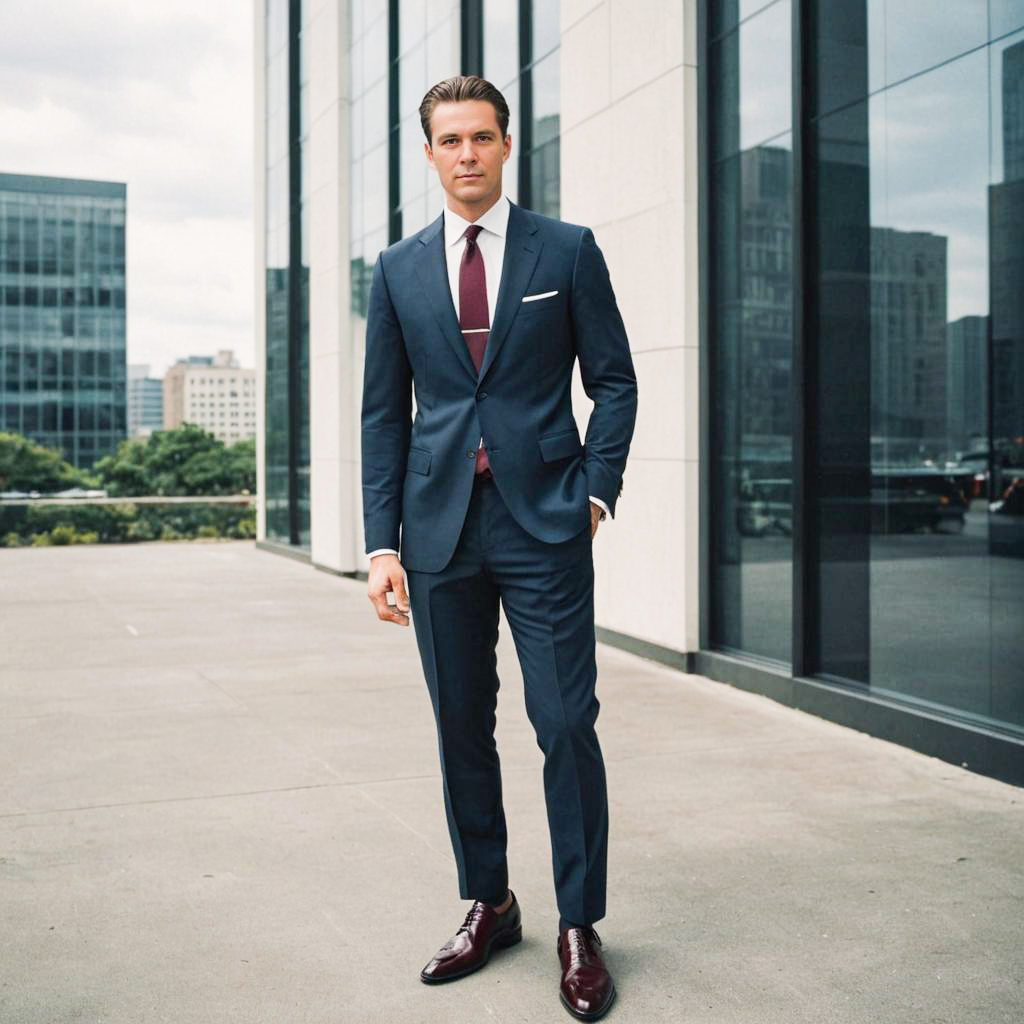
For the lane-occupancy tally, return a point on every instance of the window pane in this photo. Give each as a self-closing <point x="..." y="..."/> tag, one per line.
<point x="1005" y="16"/>
<point x="752" y="82"/>
<point x="922" y="588"/>
<point x="911" y="36"/>
<point x="501" y="41"/>
<point x="545" y="27"/>
<point x="726" y="14"/>
<point x="545" y="99"/>
<point x="751" y="337"/>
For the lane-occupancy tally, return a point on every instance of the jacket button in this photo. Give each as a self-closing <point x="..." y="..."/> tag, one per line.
<point x="471" y="454"/>
<point x="482" y="395"/>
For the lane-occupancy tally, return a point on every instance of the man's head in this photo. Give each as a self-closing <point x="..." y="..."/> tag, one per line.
<point x="465" y="120"/>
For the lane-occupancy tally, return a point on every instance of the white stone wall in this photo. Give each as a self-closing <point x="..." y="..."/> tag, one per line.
<point x="260" y="261"/>
<point x="629" y="171"/>
<point x="335" y="527"/>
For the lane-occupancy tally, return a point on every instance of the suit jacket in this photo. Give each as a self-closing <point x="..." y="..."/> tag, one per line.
<point x="418" y="471"/>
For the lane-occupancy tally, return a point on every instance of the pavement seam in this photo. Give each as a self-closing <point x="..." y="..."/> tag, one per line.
<point x="340" y="784"/>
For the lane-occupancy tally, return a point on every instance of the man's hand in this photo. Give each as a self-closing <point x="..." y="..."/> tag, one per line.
<point x="387" y="575"/>
<point x="596" y="512"/>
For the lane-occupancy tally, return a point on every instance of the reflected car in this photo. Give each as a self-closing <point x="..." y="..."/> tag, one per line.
<point x="906" y="500"/>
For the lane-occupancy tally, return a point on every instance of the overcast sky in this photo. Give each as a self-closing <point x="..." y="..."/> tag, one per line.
<point x="157" y="94"/>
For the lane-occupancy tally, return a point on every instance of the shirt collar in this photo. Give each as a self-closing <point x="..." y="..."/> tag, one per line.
<point x="494" y="220"/>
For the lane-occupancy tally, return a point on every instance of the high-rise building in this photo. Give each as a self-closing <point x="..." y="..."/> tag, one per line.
<point x="820" y="270"/>
<point x="145" y="401"/>
<point x="908" y="343"/>
<point x="967" y="387"/>
<point x="212" y="392"/>
<point x="62" y="313"/>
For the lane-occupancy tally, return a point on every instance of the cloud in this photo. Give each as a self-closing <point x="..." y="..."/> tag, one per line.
<point x="159" y="96"/>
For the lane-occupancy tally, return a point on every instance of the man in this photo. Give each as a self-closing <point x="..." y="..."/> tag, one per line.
<point x="483" y="313"/>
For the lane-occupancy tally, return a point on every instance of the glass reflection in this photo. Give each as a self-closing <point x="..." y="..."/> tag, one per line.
<point x="369" y="135"/>
<point x="545" y="20"/>
<point x="545" y="100"/>
<point x="1005" y="16"/>
<point x="751" y="337"/>
<point x="911" y="36"/>
<point x="501" y="42"/>
<point x="752" y="78"/>
<point x="1006" y="511"/>
<point x="921" y="250"/>
<point x="726" y="14"/>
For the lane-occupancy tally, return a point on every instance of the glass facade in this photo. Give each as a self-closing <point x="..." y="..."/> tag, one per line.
<point x="287" y="274"/>
<point x="368" y="125"/>
<point x="502" y="66"/>
<point x="521" y="42"/>
<point x="752" y="324"/>
<point x="865" y="336"/>
<point x="62" y="314"/>
<point x="540" y="142"/>
<point x="426" y="52"/>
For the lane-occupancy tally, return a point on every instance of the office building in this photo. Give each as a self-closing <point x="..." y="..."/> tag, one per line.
<point x="145" y="401"/>
<point x="62" y="313"/>
<point x="212" y="392"/>
<point x="793" y="197"/>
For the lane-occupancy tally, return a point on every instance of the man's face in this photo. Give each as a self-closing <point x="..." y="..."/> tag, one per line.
<point x="468" y="152"/>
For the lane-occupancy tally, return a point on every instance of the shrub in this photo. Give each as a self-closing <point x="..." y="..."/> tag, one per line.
<point x="124" y="522"/>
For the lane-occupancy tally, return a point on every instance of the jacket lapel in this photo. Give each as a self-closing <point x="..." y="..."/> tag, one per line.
<point x="433" y="273"/>
<point x="522" y="249"/>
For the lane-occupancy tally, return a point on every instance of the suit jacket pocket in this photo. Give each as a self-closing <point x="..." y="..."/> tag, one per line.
<point x="560" y="445"/>
<point x="419" y="461"/>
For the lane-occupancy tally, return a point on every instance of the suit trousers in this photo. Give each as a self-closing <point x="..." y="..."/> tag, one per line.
<point x="547" y="591"/>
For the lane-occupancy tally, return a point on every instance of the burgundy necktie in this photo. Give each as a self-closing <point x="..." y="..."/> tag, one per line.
<point x="474" y="317"/>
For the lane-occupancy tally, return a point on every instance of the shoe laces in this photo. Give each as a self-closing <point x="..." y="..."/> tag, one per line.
<point x="475" y="913"/>
<point x="578" y="942"/>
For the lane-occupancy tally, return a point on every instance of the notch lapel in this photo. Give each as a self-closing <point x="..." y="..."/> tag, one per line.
<point x="433" y="274"/>
<point x="522" y="249"/>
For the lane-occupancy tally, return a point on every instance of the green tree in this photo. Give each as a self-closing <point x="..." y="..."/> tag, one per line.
<point x="184" y="461"/>
<point x="28" y="466"/>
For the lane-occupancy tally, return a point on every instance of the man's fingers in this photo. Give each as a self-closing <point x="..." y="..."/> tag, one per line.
<point x="387" y="612"/>
<point x="398" y="586"/>
<point x="388" y="576"/>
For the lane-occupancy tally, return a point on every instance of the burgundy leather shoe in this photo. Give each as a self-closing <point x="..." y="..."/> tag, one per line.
<point x="470" y="947"/>
<point x="587" y="990"/>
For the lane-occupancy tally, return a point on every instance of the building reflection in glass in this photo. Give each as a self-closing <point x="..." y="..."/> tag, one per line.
<point x="752" y="334"/>
<point x="919" y="598"/>
<point x="914" y="328"/>
<point x="287" y="274"/>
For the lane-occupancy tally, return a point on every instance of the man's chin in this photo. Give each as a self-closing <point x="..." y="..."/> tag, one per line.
<point x="473" y="191"/>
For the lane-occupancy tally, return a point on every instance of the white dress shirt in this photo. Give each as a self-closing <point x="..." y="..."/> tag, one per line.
<point x="491" y="242"/>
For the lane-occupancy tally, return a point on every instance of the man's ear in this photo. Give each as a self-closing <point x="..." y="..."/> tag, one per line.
<point x="429" y="152"/>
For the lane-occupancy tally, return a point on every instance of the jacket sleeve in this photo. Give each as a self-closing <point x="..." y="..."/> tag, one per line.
<point x="606" y="368"/>
<point x="386" y="418"/>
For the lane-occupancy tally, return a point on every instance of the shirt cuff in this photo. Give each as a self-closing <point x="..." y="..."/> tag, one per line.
<point x="601" y="505"/>
<point x="382" y="551"/>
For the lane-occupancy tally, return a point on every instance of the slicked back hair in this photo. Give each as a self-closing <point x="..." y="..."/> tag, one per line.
<point x="458" y="89"/>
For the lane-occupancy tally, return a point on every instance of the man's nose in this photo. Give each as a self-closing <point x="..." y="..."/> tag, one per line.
<point x="468" y="154"/>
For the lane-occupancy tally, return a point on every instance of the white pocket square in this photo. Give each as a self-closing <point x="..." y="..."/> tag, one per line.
<point x="540" y="295"/>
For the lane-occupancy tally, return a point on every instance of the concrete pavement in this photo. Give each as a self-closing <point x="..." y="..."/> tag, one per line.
<point x="220" y="802"/>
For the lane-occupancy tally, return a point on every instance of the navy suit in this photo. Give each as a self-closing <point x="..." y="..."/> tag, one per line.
<point x="522" y="540"/>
